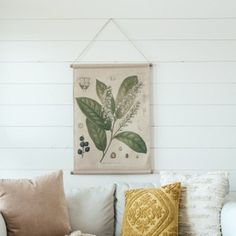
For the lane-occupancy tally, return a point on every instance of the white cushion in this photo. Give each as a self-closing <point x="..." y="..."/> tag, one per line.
<point x="79" y="233"/>
<point x="91" y="210"/>
<point x="201" y="201"/>
<point x="121" y="188"/>
<point x="3" y="229"/>
<point x="228" y="216"/>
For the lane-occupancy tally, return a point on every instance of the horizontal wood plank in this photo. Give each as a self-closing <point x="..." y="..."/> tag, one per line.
<point x="61" y="94"/>
<point x="211" y="72"/>
<point x="36" y="73"/>
<point x="121" y="8"/>
<point x="36" y="94"/>
<point x="164" y="159"/>
<point x="163" y="115"/>
<point x="163" y="137"/>
<point x="194" y="115"/>
<point x="36" y="159"/>
<point x="194" y="94"/>
<point x="34" y="115"/>
<point x="23" y="137"/>
<point x="194" y="159"/>
<point x="137" y="29"/>
<point x="195" y="137"/>
<point x="113" y="51"/>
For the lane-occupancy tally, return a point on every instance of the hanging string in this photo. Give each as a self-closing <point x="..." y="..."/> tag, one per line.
<point x="130" y="40"/>
<point x="81" y="54"/>
<point x="77" y="59"/>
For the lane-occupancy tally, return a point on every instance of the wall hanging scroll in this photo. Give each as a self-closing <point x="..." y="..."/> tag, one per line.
<point x="112" y="118"/>
<point x="111" y="115"/>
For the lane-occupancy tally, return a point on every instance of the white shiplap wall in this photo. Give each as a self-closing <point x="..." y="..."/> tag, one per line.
<point x="192" y="45"/>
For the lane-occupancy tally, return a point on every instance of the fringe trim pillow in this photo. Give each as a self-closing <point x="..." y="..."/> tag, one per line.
<point x="201" y="201"/>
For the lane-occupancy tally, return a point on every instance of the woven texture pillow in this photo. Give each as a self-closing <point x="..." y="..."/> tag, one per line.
<point x="152" y="212"/>
<point x="35" y="207"/>
<point x="201" y="201"/>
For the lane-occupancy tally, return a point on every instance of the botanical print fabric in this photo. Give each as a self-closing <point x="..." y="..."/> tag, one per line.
<point x="112" y="118"/>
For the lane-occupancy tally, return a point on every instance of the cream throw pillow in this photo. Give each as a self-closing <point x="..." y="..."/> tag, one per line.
<point x="35" y="207"/>
<point x="201" y="202"/>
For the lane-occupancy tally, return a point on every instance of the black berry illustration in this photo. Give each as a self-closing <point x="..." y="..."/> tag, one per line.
<point x="84" y="146"/>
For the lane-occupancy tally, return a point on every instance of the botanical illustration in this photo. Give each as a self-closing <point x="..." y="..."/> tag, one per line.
<point x="111" y="104"/>
<point x="108" y="118"/>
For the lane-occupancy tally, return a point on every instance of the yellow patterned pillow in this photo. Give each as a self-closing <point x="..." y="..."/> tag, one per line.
<point x="152" y="211"/>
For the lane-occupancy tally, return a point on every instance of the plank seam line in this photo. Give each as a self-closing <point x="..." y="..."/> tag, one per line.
<point x="117" y="18"/>
<point x="154" y="83"/>
<point x="154" y="148"/>
<point x="117" y="40"/>
<point x="152" y="104"/>
<point x="152" y="126"/>
<point x="89" y="62"/>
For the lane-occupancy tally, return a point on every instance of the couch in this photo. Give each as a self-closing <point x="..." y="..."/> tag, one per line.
<point x="228" y="216"/>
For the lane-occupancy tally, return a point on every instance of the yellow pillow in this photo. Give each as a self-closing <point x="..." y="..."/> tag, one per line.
<point x="152" y="211"/>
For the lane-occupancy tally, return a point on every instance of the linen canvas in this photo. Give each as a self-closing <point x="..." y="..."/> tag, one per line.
<point x="112" y="118"/>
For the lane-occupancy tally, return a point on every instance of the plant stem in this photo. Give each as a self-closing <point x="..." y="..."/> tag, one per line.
<point x="104" y="153"/>
<point x="110" y="141"/>
<point x="113" y="134"/>
<point x="117" y="131"/>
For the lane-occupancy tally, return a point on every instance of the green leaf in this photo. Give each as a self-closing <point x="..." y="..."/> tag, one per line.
<point x="133" y="140"/>
<point x="97" y="134"/>
<point x="127" y="84"/>
<point x="100" y="89"/>
<point x="93" y="111"/>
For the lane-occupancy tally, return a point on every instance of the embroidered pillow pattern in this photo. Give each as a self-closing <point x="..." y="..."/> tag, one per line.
<point x="151" y="212"/>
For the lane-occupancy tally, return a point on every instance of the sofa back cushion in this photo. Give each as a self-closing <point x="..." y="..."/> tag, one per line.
<point x="91" y="209"/>
<point x="35" y="207"/>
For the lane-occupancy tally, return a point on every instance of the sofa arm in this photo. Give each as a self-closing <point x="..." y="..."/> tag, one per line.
<point x="228" y="216"/>
<point x="3" y="230"/>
